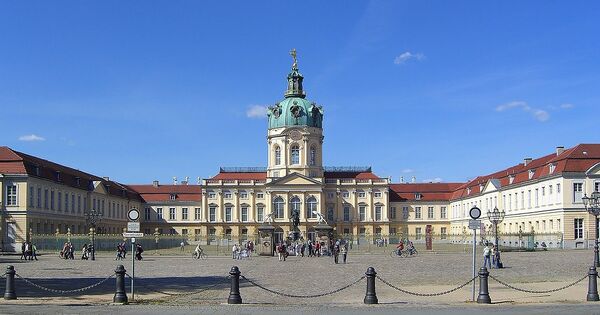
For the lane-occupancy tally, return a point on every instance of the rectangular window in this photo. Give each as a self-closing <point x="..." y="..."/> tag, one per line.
<point x="212" y="195"/>
<point x="577" y="192"/>
<point x="171" y="213"/>
<point x="443" y="212"/>
<point x="417" y="212"/>
<point x="147" y="214"/>
<point x="362" y="212"/>
<point x="85" y="204"/>
<point x="377" y="195"/>
<point x="244" y="195"/>
<point x="184" y="231"/>
<point x="329" y="213"/>
<point x="244" y="214"/>
<point x="197" y="214"/>
<point x="260" y="195"/>
<point x="39" y="197"/>
<point x="330" y="195"/>
<point x="377" y="213"/>
<point x="184" y="214"/>
<point x="418" y="233"/>
<point x="597" y="186"/>
<point x="11" y="195"/>
<point x="212" y="214"/>
<point x="346" y="194"/>
<point x="52" y="200"/>
<point x="31" y="196"/>
<point x="361" y="194"/>
<point x="443" y="233"/>
<point x="347" y="213"/>
<point x="227" y="195"/>
<point x="227" y="214"/>
<point x="45" y="198"/>
<point x="529" y="199"/>
<point x="260" y="212"/>
<point x="405" y="213"/>
<point x="72" y="203"/>
<point x="159" y="214"/>
<point x="558" y="188"/>
<point x="578" y="224"/>
<point x="392" y="212"/>
<point x="430" y="212"/>
<point x="537" y="198"/>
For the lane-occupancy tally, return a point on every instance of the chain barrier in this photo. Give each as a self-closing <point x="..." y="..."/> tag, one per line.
<point x="536" y="291"/>
<point x="302" y="296"/>
<point x="425" y="294"/>
<point x="63" y="291"/>
<point x="184" y="293"/>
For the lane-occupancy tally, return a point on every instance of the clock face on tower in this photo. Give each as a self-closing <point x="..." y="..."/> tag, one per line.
<point x="295" y="135"/>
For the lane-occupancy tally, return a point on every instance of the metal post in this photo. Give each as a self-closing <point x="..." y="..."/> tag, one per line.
<point x="596" y="257"/>
<point x="484" y="295"/>
<point x="94" y="242"/>
<point x="234" y="292"/>
<point x="132" y="267"/>
<point x="474" y="260"/>
<point x="593" y="285"/>
<point x="120" y="294"/>
<point x="9" y="292"/>
<point x="371" y="296"/>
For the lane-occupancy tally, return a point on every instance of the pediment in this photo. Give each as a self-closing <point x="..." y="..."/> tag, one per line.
<point x="295" y="179"/>
<point x="99" y="187"/>
<point x="491" y="185"/>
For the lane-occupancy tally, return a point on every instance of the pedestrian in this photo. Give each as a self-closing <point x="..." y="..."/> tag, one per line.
<point x="498" y="263"/>
<point x="302" y="248"/>
<point x="34" y="251"/>
<point x="84" y="252"/>
<point x="486" y="256"/>
<point x="182" y="245"/>
<point x="279" y="250"/>
<point x="71" y="251"/>
<point x="23" y="245"/>
<point x="344" y="251"/>
<point x="493" y="255"/>
<point x="234" y="250"/>
<point x="336" y="251"/>
<point x="28" y="251"/>
<point x="318" y="249"/>
<point x="138" y="251"/>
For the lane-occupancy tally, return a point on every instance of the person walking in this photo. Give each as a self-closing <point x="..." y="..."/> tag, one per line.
<point x="138" y="251"/>
<point x="486" y="256"/>
<point x="84" y="251"/>
<point x="34" y="251"/>
<point x="23" y="245"/>
<point x="344" y="251"/>
<point x="493" y="255"/>
<point x="182" y="246"/>
<point x="234" y="250"/>
<point x="336" y="251"/>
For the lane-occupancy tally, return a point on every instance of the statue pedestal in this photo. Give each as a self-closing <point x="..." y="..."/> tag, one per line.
<point x="265" y="238"/>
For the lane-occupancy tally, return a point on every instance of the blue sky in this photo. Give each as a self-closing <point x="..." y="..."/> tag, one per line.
<point x="440" y="90"/>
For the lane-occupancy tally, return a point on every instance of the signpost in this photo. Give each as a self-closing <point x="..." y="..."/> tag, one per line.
<point x="133" y="229"/>
<point x="474" y="225"/>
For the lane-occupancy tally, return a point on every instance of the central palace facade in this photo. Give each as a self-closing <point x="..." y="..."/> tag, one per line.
<point x="541" y="195"/>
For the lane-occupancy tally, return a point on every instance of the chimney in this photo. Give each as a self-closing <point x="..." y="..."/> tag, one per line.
<point x="527" y="161"/>
<point x="187" y="180"/>
<point x="401" y="179"/>
<point x="559" y="150"/>
<point x="155" y="183"/>
<point x="174" y="180"/>
<point x="413" y="179"/>
<point x="199" y="180"/>
<point x="106" y="178"/>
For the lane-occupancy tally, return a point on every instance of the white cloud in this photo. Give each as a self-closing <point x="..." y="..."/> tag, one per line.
<point x="31" y="137"/>
<point x="432" y="180"/>
<point x="257" y="111"/>
<point x="407" y="170"/>
<point x="538" y="114"/>
<point x="407" y="55"/>
<point x="566" y="106"/>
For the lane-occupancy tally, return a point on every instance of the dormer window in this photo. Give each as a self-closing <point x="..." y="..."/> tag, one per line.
<point x="418" y="196"/>
<point x="37" y="170"/>
<point x="511" y="179"/>
<point x="78" y="181"/>
<point x="58" y="176"/>
<point x="531" y="172"/>
<point x="480" y="187"/>
<point x="468" y="191"/>
<point x="552" y="167"/>
<point x="173" y="196"/>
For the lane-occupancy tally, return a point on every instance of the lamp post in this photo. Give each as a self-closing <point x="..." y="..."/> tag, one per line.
<point x="92" y="218"/>
<point x="592" y="205"/>
<point x="496" y="217"/>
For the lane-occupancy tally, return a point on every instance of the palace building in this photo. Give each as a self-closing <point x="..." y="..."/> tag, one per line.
<point x="540" y="195"/>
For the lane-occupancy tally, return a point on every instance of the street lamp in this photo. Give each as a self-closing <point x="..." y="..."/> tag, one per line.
<point x="495" y="216"/>
<point x="92" y="218"/>
<point x="592" y="205"/>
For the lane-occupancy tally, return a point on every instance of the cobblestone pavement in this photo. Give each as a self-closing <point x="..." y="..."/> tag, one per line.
<point x="427" y="273"/>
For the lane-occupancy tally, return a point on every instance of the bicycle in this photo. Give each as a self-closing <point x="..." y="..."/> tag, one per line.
<point x="202" y="255"/>
<point x="404" y="253"/>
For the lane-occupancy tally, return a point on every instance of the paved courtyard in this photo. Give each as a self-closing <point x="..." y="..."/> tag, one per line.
<point x="184" y="276"/>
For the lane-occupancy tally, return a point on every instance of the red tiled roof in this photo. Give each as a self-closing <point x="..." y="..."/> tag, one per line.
<point x="356" y="175"/>
<point x="14" y="162"/>
<point x="427" y="191"/>
<point x="163" y="192"/>
<point x="243" y="176"/>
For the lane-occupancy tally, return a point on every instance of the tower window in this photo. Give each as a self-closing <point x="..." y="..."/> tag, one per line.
<point x="277" y="156"/>
<point x="295" y="155"/>
<point x="313" y="154"/>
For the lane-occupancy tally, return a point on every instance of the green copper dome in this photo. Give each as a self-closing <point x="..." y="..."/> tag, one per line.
<point x="295" y="110"/>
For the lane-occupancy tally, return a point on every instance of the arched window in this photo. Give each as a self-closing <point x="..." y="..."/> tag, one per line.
<point x="311" y="205"/>
<point x="277" y="156"/>
<point x="313" y="156"/>
<point x="295" y="205"/>
<point x="278" y="206"/>
<point x="295" y="154"/>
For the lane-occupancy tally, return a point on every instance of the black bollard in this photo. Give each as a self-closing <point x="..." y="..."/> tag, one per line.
<point x="484" y="295"/>
<point x="9" y="292"/>
<point x="371" y="296"/>
<point x="593" y="285"/>
<point x="234" y="292"/>
<point x="120" y="295"/>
